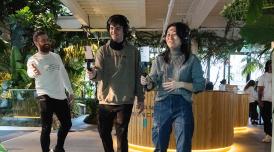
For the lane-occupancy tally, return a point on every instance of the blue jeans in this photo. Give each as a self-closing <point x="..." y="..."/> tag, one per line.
<point x="174" y="109"/>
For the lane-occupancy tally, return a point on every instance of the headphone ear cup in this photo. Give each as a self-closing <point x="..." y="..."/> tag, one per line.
<point x="126" y="31"/>
<point x="186" y="40"/>
<point x="108" y="24"/>
<point x="187" y="36"/>
<point x="164" y="39"/>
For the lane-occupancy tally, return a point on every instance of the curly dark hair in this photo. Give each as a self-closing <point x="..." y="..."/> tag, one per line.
<point x="118" y="19"/>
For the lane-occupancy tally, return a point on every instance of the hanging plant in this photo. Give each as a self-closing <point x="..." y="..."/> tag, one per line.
<point x="142" y="38"/>
<point x="211" y="45"/>
<point x="247" y="10"/>
<point x="255" y="17"/>
<point x="236" y="10"/>
<point x="261" y="31"/>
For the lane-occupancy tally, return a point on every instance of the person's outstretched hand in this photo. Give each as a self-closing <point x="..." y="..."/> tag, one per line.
<point x="35" y="70"/>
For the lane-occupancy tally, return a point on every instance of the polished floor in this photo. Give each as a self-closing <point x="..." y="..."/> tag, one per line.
<point x="251" y="140"/>
<point x="85" y="138"/>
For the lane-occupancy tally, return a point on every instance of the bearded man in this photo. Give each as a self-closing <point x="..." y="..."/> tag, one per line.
<point x="51" y="82"/>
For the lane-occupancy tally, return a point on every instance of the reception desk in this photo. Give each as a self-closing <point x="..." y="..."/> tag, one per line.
<point x="240" y="111"/>
<point x="215" y="114"/>
<point x="213" y="120"/>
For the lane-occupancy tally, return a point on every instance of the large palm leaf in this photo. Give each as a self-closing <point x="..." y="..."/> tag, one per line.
<point x="261" y="31"/>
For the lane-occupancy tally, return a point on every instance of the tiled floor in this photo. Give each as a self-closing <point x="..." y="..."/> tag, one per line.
<point x="85" y="138"/>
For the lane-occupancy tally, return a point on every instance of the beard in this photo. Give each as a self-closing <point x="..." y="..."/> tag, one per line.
<point x="45" y="48"/>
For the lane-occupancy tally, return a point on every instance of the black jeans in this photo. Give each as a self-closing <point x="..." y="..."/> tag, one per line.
<point x="120" y="116"/>
<point x="61" y="108"/>
<point x="253" y="110"/>
<point x="267" y="116"/>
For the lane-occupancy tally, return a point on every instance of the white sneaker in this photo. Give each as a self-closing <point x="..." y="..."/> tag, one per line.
<point x="267" y="139"/>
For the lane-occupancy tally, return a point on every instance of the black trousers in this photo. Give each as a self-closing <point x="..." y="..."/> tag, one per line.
<point x="266" y="112"/>
<point x="119" y="115"/>
<point x="253" y="110"/>
<point x="61" y="108"/>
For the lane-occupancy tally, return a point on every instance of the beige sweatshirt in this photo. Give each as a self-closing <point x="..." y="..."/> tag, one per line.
<point x="118" y="75"/>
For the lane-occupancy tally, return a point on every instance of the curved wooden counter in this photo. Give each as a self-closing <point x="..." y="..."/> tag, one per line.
<point x="241" y="110"/>
<point x="213" y="122"/>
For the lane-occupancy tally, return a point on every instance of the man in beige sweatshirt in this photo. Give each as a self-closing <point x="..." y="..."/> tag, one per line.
<point x="117" y="72"/>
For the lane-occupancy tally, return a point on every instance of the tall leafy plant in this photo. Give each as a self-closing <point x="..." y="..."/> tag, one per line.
<point x="212" y="45"/>
<point x="4" y="51"/>
<point x="22" y="25"/>
<point x="4" y="64"/>
<point x="23" y="18"/>
<point x="256" y="19"/>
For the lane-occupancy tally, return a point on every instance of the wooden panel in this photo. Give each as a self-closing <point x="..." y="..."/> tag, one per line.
<point x="139" y="131"/>
<point x="240" y="110"/>
<point x="213" y="121"/>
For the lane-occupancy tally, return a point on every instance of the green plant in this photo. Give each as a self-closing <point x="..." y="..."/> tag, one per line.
<point x="92" y="105"/>
<point x="2" y="148"/>
<point x="255" y="19"/>
<point x="211" y="45"/>
<point x="5" y="54"/>
<point x="24" y="18"/>
<point x="247" y="10"/>
<point x="24" y="103"/>
<point x="22" y="24"/>
<point x="18" y="70"/>
<point x="261" y="31"/>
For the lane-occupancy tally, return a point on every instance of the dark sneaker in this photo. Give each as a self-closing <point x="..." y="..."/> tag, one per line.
<point x="254" y="122"/>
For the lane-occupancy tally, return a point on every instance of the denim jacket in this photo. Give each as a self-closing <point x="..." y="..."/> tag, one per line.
<point x="190" y="72"/>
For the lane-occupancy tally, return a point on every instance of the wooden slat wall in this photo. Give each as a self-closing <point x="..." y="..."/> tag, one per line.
<point x="213" y="120"/>
<point x="139" y="133"/>
<point x="240" y="110"/>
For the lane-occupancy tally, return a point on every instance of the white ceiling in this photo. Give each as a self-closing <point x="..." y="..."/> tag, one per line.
<point x="144" y="14"/>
